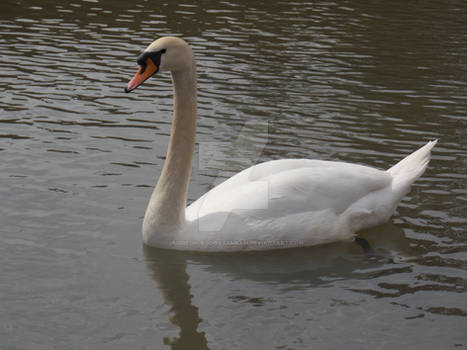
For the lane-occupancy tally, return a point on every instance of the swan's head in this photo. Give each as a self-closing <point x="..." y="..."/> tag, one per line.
<point x="165" y="54"/>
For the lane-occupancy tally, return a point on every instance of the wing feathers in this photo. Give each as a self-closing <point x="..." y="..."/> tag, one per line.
<point x="292" y="186"/>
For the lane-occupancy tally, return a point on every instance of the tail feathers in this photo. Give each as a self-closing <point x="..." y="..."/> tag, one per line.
<point x="413" y="166"/>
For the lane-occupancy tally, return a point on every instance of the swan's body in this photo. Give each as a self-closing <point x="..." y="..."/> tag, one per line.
<point x="277" y="204"/>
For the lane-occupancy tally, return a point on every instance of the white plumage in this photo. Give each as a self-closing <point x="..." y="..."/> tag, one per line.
<point x="277" y="204"/>
<point x="299" y="202"/>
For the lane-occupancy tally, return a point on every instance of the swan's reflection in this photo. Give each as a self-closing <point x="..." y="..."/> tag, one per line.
<point x="169" y="271"/>
<point x="295" y="268"/>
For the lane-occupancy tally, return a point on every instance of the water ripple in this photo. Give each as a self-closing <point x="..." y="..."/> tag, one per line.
<point x="350" y="81"/>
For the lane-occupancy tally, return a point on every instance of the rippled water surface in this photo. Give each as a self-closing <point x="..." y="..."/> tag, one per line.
<point x="358" y="81"/>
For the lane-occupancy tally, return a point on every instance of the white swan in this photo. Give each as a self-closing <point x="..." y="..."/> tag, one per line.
<point x="277" y="204"/>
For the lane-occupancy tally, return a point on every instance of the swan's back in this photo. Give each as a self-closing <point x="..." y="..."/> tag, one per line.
<point x="283" y="187"/>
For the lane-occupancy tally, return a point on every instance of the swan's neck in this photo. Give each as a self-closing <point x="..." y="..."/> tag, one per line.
<point x="166" y="210"/>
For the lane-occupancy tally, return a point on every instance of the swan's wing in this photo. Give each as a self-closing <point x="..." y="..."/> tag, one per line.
<point x="334" y="187"/>
<point x="280" y="188"/>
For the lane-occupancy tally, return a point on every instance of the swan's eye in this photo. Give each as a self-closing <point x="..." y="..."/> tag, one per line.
<point x="155" y="56"/>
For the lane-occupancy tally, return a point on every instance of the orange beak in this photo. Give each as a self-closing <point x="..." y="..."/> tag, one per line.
<point x="144" y="72"/>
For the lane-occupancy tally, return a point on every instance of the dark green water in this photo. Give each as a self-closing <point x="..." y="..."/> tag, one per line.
<point x="360" y="81"/>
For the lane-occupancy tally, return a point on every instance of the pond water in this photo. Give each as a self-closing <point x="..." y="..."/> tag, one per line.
<point x="359" y="81"/>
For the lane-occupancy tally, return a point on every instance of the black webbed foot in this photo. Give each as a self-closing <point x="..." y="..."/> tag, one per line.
<point x="362" y="242"/>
